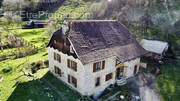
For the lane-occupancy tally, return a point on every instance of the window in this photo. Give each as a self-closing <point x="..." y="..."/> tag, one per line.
<point x="97" y="82"/>
<point x="57" y="70"/>
<point x="98" y="66"/>
<point x="109" y="76"/>
<point x="72" y="80"/>
<point x="71" y="64"/>
<point x="57" y="57"/>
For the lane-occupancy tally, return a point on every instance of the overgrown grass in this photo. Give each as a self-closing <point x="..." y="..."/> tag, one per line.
<point x="169" y="82"/>
<point x="34" y="36"/>
<point x="7" y="86"/>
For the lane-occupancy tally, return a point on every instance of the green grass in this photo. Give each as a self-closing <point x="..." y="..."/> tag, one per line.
<point x="30" y="89"/>
<point x="169" y="81"/>
<point x="6" y="86"/>
<point x="35" y="36"/>
<point x="74" y="8"/>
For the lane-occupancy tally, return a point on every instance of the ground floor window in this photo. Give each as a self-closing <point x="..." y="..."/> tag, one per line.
<point x="97" y="81"/>
<point x="109" y="76"/>
<point x="57" y="70"/>
<point x="72" y="80"/>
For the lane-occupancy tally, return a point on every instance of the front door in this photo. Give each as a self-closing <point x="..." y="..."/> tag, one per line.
<point x="119" y="72"/>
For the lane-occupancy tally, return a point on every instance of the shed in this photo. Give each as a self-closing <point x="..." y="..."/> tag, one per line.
<point x="37" y="24"/>
<point x="154" y="47"/>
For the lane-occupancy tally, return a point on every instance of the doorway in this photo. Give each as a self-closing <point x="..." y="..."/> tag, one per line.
<point x="119" y="72"/>
<point x="135" y="69"/>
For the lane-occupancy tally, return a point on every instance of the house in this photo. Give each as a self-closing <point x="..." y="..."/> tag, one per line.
<point x="156" y="49"/>
<point x="91" y="55"/>
<point x="36" y="24"/>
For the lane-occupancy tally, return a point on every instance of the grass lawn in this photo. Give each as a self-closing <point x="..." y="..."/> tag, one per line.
<point x="31" y="89"/>
<point x="169" y="81"/>
<point x="34" y="36"/>
<point x="9" y="79"/>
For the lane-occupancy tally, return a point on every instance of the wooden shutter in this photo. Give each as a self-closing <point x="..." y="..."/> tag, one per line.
<point x="75" y="66"/>
<point x="75" y="82"/>
<point x="55" y="56"/>
<point x="68" y="63"/>
<point x="69" y="78"/>
<point x="103" y="64"/>
<point x="94" y="67"/>
<point x="59" y="72"/>
<point x="59" y="58"/>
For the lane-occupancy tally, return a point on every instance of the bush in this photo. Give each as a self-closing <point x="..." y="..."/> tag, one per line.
<point x="41" y="64"/>
<point x="6" y="69"/>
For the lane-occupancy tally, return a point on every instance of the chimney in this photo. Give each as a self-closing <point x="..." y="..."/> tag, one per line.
<point x="65" y="27"/>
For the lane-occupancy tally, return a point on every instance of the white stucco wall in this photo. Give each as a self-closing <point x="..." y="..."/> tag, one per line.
<point x="110" y="67"/>
<point x="85" y="75"/>
<point x="65" y="70"/>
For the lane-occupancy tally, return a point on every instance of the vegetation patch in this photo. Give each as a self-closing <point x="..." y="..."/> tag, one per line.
<point x="168" y="82"/>
<point x="6" y="69"/>
<point x="41" y="64"/>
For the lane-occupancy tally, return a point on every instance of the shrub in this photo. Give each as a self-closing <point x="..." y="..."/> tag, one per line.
<point x="6" y="69"/>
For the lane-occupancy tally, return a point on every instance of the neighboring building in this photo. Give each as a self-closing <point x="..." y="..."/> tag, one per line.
<point x="91" y="55"/>
<point x="36" y="24"/>
<point x="156" y="49"/>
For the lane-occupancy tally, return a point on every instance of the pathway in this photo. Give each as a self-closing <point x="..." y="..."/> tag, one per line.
<point x="144" y="84"/>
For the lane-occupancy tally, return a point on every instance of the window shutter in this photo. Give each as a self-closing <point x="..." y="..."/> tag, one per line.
<point x="94" y="67"/>
<point x="68" y="63"/>
<point x="75" y="82"/>
<point x="59" y="72"/>
<point x="103" y="64"/>
<point x="54" y="56"/>
<point x="59" y="58"/>
<point x="75" y="66"/>
<point x="69" y="78"/>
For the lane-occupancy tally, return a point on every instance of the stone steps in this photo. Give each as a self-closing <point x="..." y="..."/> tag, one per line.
<point x="121" y="81"/>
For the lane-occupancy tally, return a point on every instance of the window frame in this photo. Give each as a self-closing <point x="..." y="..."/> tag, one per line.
<point x="72" y="65"/>
<point x="58" y="71"/>
<point x="72" y="80"/>
<point x="97" y="66"/>
<point x="97" y="81"/>
<point x="109" y="76"/>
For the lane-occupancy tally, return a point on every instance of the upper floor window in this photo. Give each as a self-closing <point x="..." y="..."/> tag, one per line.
<point x="72" y="80"/>
<point x="109" y="76"/>
<point x="97" y="81"/>
<point x="98" y="66"/>
<point x="71" y="64"/>
<point x="57" y="57"/>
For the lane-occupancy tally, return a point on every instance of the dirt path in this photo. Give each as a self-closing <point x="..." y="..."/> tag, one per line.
<point x="144" y="84"/>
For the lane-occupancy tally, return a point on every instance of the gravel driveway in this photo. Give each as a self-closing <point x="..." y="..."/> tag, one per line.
<point x="144" y="85"/>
